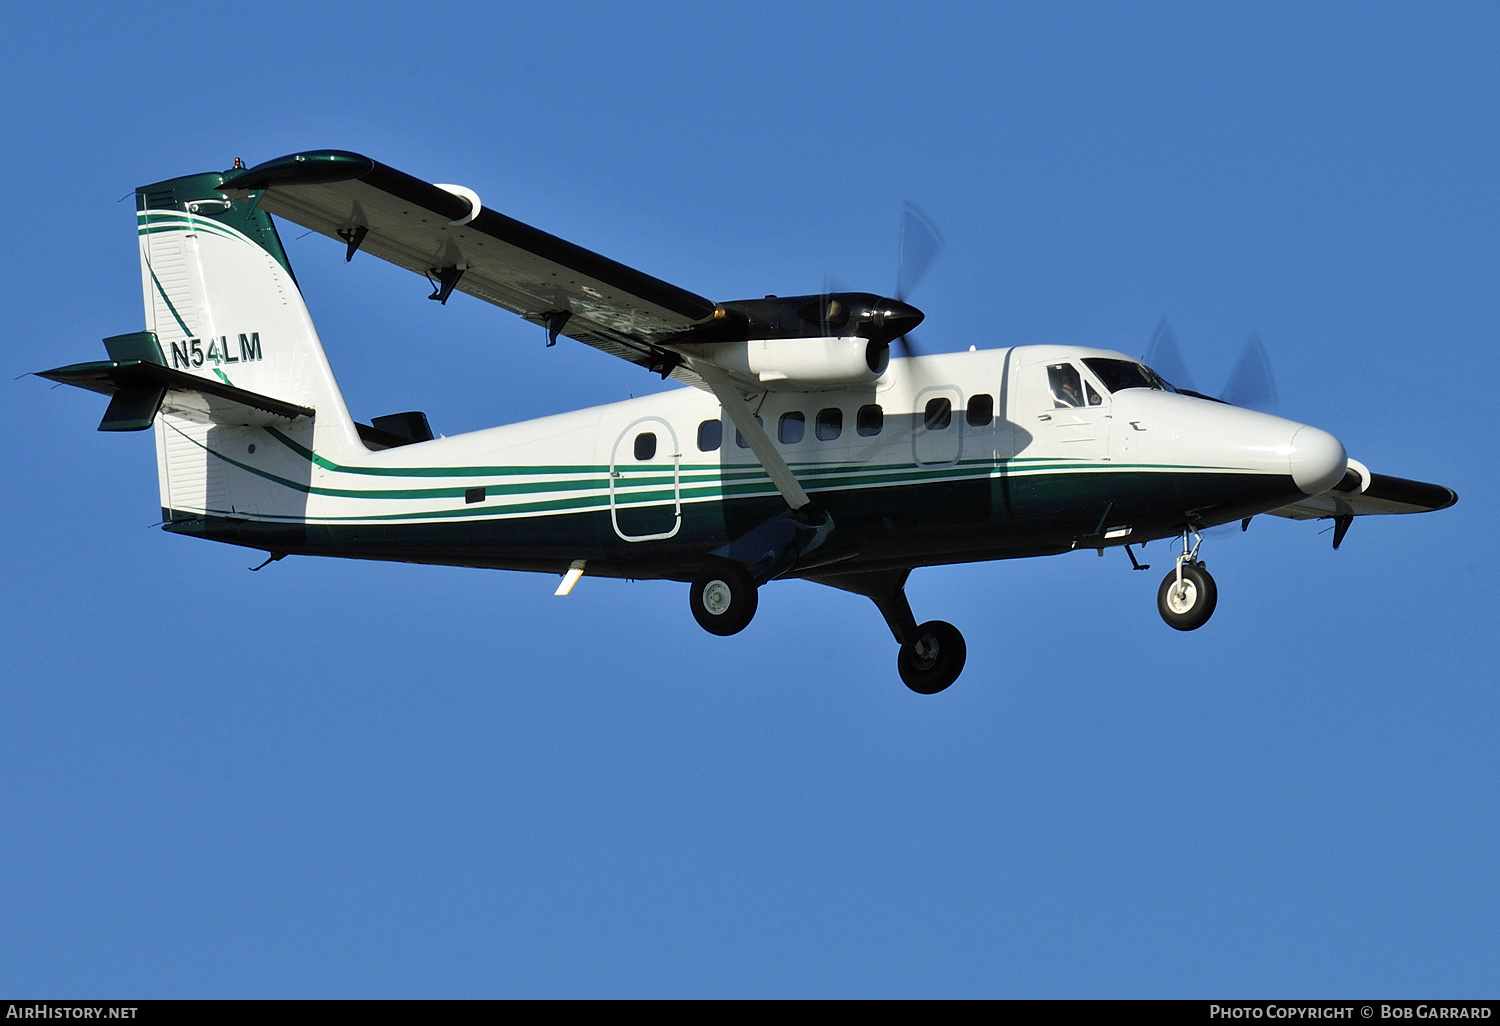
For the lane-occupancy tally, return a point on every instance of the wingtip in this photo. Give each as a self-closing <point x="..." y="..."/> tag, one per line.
<point x="1412" y="493"/>
<point x="308" y="167"/>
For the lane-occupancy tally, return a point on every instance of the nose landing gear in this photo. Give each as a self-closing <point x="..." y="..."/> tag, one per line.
<point x="1188" y="595"/>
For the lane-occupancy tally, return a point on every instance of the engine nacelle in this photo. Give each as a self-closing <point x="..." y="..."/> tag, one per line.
<point x="800" y="364"/>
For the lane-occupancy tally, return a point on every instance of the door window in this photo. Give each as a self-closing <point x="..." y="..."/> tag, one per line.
<point x="937" y="415"/>
<point x="1066" y="385"/>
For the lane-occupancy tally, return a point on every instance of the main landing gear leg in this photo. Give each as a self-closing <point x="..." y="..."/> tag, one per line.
<point x="1188" y="595"/>
<point x="932" y="654"/>
<point x="723" y="594"/>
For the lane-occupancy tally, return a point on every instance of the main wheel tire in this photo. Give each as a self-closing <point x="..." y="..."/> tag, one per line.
<point x="1187" y="608"/>
<point x="934" y="660"/>
<point x="723" y="598"/>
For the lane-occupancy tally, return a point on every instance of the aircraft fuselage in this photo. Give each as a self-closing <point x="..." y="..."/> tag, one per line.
<point x="948" y="458"/>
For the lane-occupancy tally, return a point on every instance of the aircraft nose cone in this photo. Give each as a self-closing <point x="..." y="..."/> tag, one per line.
<point x="1317" y="459"/>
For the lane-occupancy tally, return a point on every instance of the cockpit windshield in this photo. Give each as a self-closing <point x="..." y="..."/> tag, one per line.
<point x="1119" y="375"/>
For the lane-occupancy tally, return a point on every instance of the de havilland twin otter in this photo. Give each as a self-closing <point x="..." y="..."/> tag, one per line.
<point x="801" y="448"/>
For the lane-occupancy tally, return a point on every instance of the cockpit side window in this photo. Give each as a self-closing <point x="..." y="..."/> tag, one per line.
<point x="1066" y="385"/>
<point x="1118" y="375"/>
<point x="1095" y="399"/>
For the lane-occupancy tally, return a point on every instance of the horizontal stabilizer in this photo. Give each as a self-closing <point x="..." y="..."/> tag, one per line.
<point x="139" y="386"/>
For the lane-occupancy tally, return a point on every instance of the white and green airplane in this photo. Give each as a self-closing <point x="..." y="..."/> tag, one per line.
<point x="800" y="447"/>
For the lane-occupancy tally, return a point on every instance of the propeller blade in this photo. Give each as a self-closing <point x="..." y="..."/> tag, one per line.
<point x="1163" y="356"/>
<point x="907" y="346"/>
<point x="921" y="243"/>
<point x="1252" y="384"/>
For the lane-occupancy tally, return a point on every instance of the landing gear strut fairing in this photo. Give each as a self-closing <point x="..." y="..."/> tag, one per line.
<point x="801" y="447"/>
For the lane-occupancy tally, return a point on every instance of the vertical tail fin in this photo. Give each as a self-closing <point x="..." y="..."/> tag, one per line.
<point x="221" y="298"/>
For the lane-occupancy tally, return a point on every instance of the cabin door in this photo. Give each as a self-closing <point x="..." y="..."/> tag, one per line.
<point x="1066" y="413"/>
<point x="645" y="482"/>
<point x="938" y="427"/>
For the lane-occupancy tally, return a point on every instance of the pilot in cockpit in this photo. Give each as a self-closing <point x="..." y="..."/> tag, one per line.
<point x="1063" y="377"/>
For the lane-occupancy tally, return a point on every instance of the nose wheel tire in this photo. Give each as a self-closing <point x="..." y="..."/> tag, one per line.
<point x="723" y="599"/>
<point x="934" y="660"/>
<point x="1187" y="606"/>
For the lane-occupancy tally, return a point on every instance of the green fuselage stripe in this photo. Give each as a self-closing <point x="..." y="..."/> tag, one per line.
<point x="647" y="486"/>
<point x="750" y="472"/>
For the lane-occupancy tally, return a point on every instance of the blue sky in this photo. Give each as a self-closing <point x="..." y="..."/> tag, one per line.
<point x="340" y="779"/>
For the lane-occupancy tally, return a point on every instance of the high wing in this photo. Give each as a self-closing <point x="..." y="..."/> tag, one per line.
<point x="1362" y="493"/>
<point x="445" y="234"/>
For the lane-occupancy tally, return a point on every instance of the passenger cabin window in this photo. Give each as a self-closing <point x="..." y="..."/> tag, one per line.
<point x="830" y="424"/>
<point x="869" y="420"/>
<point x="1122" y="374"/>
<point x="938" y="415"/>
<point x="791" y="427"/>
<point x="1066" y="385"/>
<point x="739" y="439"/>
<point x="645" y="445"/>
<point x="981" y="410"/>
<point x="710" y="435"/>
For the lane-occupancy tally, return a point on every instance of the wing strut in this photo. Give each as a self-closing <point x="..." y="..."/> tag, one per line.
<point x="760" y="443"/>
